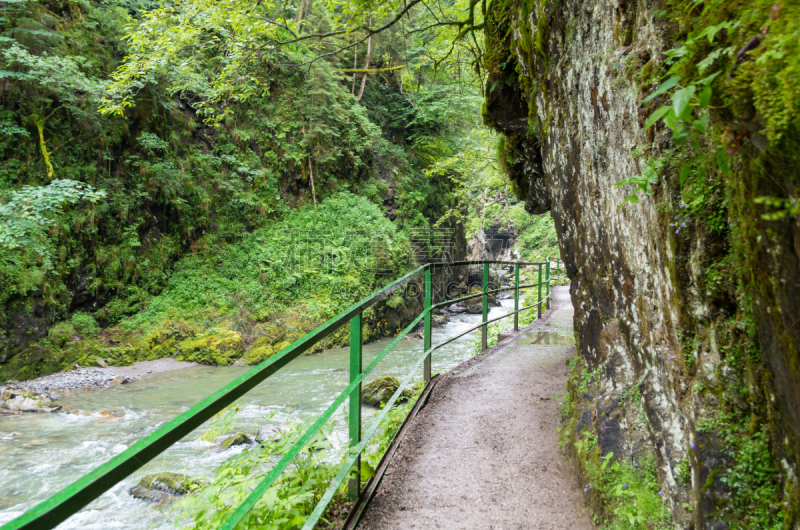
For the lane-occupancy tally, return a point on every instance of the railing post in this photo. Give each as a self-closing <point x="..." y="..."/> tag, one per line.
<point x="539" y="305"/>
<point x="516" y="296"/>
<point x="426" y="370"/>
<point x="547" y="281"/>
<point x="558" y="266"/>
<point x="485" y="307"/>
<point x="354" y="416"/>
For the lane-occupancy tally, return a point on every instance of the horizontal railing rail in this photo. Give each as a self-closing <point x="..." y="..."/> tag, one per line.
<point x="74" y="497"/>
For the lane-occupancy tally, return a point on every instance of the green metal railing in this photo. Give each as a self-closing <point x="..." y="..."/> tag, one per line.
<point x="74" y="497"/>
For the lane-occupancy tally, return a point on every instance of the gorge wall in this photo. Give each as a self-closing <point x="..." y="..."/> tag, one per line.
<point x="685" y="302"/>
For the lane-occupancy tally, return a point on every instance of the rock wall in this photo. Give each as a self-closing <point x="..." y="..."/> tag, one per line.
<point x="690" y="318"/>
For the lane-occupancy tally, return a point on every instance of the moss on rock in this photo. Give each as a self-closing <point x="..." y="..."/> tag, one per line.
<point x="380" y="390"/>
<point x="239" y="438"/>
<point x="263" y="350"/>
<point x="164" y="486"/>
<point x="221" y="348"/>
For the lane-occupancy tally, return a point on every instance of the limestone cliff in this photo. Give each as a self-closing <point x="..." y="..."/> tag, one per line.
<point x="685" y="309"/>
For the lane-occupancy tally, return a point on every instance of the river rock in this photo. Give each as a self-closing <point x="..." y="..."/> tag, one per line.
<point x="98" y="361"/>
<point x="26" y="402"/>
<point x="239" y="438"/>
<point x="160" y="487"/>
<point x="474" y="306"/>
<point x="271" y="433"/>
<point x="457" y="308"/>
<point x="438" y="321"/>
<point x="380" y="390"/>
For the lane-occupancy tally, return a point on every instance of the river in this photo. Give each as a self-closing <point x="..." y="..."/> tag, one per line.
<point x="42" y="453"/>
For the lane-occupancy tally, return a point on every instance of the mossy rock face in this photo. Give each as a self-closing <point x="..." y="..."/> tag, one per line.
<point x="380" y="390"/>
<point x="239" y="438"/>
<point x="262" y="350"/>
<point x="474" y="306"/>
<point x="97" y="361"/>
<point x="122" y="355"/>
<point x="160" y="487"/>
<point x="220" y="349"/>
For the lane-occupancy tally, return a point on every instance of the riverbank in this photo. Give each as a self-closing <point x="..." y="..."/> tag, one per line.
<point x="41" y="394"/>
<point x="43" y="453"/>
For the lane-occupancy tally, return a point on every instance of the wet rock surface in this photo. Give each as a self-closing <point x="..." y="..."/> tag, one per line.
<point x="271" y="433"/>
<point x="16" y="402"/>
<point x="381" y="390"/>
<point x="160" y="487"/>
<point x="239" y="438"/>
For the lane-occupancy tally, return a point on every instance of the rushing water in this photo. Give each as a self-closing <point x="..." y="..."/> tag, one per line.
<point x="42" y="453"/>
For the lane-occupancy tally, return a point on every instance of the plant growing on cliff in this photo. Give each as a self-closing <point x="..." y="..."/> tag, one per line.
<point x="733" y="80"/>
<point x="30" y="211"/>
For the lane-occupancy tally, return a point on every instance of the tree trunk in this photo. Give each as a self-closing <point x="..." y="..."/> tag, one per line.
<point x="311" y="174"/>
<point x="366" y="65"/>
<point x="304" y="10"/>
<point x="355" y="66"/>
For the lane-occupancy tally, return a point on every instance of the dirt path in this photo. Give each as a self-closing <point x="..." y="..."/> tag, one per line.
<point x="483" y="453"/>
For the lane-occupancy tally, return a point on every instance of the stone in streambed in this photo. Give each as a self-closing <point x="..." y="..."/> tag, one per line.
<point x="27" y="402"/>
<point x="271" y="433"/>
<point x="164" y="486"/>
<point x="380" y="390"/>
<point x="239" y="438"/>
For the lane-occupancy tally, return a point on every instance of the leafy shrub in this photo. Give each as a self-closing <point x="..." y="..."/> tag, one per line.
<point x="328" y="256"/>
<point x="287" y="504"/>
<point x="61" y="334"/>
<point x="539" y="240"/>
<point x="85" y="324"/>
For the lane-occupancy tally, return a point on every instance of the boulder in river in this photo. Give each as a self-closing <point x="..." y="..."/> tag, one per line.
<point x="474" y="306"/>
<point x="271" y="433"/>
<point x="27" y="402"/>
<point x="380" y="390"/>
<point x="438" y="321"/>
<point x="239" y="438"/>
<point x="164" y="486"/>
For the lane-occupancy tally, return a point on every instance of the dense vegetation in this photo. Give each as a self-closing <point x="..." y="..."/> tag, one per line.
<point x="154" y="176"/>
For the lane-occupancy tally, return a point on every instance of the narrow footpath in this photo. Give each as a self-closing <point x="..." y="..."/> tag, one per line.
<point x="483" y="454"/>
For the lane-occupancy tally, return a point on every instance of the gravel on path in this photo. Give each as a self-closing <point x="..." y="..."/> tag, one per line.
<point x="483" y="451"/>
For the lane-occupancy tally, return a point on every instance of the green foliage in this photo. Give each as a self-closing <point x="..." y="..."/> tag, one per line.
<point x="85" y="324"/>
<point x="287" y="504"/>
<point x="324" y="256"/>
<point x="394" y="419"/>
<point x="716" y="86"/>
<point x="751" y="475"/>
<point x="538" y="240"/>
<point x="33" y="209"/>
<point x="630" y="493"/>
<point x="179" y="190"/>
<point x="493" y="331"/>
